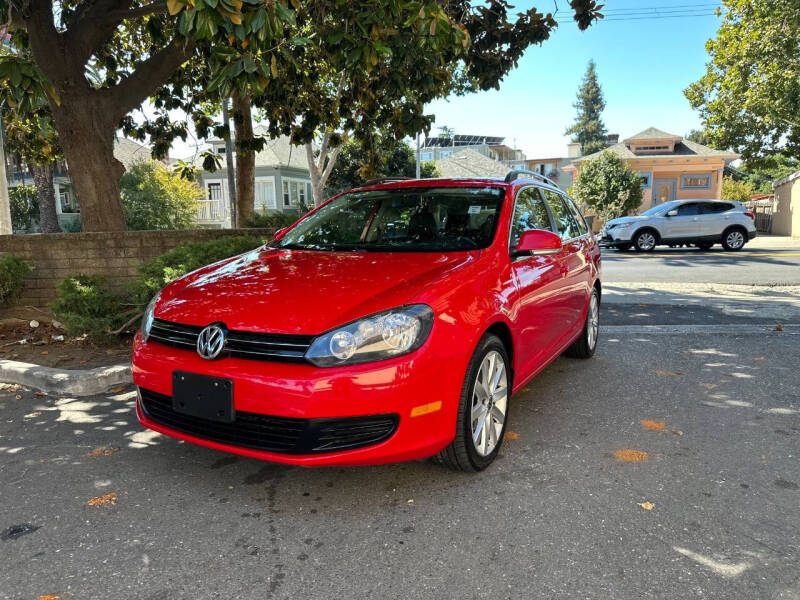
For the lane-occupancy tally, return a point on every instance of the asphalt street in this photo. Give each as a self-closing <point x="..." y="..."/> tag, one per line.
<point x="713" y="510"/>
<point x="753" y="265"/>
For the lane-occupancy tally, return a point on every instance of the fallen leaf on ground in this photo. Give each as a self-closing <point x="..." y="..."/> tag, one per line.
<point x="34" y="324"/>
<point x="105" y="499"/>
<point x="511" y="435"/>
<point x="103" y="451"/>
<point x="18" y="396"/>
<point x="654" y="425"/>
<point x="118" y="389"/>
<point x="41" y="394"/>
<point x="665" y="373"/>
<point x="778" y="327"/>
<point x="45" y="352"/>
<point x="50" y="597"/>
<point x="709" y="386"/>
<point x="758" y="358"/>
<point x="646" y="505"/>
<point x="33" y="415"/>
<point x="677" y="432"/>
<point x="83" y="362"/>
<point x="630" y="455"/>
<point x="411" y="501"/>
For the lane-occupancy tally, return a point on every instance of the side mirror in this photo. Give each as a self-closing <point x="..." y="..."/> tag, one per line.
<point x="537" y="242"/>
<point x="672" y="213"/>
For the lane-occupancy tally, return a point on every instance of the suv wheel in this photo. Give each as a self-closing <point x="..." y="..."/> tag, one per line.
<point x="645" y="240"/>
<point x="734" y="239"/>
<point x="482" y="409"/>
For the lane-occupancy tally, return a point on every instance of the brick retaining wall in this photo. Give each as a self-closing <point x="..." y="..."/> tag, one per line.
<point x="113" y="254"/>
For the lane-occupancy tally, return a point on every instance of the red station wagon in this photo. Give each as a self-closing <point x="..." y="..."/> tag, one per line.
<point x="392" y="323"/>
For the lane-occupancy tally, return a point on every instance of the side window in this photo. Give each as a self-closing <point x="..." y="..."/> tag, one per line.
<point x="688" y="210"/>
<point x="529" y="213"/>
<point x="582" y="228"/>
<point x="713" y="208"/>
<point x="566" y="223"/>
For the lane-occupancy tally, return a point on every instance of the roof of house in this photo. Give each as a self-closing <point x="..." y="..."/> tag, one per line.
<point x="469" y="163"/>
<point x="652" y="133"/>
<point x="130" y="153"/>
<point x="278" y="152"/>
<point x="682" y="148"/>
<point x="788" y="179"/>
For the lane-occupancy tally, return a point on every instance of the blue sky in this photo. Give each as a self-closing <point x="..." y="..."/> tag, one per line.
<point x="643" y="67"/>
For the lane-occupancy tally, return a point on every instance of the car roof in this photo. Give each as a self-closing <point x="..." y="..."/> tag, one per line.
<point x="391" y="183"/>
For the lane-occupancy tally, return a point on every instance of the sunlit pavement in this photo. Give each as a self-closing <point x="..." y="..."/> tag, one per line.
<point x="557" y="516"/>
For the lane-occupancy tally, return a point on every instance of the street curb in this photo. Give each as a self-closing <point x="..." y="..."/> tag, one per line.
<point x="74" y="382"/>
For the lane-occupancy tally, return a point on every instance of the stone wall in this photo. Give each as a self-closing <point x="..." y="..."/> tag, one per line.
<point x="113" y="254"/>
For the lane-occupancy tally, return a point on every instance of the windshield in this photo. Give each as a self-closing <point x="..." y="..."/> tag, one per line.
<point x="658" y="208"/>
<point x="401" y="220"/>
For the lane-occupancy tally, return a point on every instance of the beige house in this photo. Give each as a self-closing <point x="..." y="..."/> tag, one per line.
<point x="786" y="209"/>
<point x="671" y="167"/>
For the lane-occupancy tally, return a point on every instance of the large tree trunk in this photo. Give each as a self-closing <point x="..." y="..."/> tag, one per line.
<point x="45" y="192"/>
<point x="245" y="159"/>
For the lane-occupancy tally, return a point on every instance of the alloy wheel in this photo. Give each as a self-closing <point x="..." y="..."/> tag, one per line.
<point x="593" y="325"/>
<point x="646" y="241"/>
<point x="735" y="239"/>
<point x="489" y="403"/>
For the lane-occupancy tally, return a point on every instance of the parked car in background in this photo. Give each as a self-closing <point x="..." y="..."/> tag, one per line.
<point x="701" y="223"/>
<point x="392" y="323"/>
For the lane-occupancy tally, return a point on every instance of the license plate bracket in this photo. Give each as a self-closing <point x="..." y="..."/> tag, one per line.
<point x="203" y="396"/>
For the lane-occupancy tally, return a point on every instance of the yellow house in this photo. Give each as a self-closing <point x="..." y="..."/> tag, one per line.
<point x="671" y="167"/>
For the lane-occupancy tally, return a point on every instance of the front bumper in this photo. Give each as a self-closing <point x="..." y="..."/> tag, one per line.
<point x="615" y="238"/>
<point x="419" y="391"/>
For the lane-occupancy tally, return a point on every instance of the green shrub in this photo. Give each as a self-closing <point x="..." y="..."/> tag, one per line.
<point x="277" y="220"/>
<point x="13" y="271"/>
<point x="24" y="205"/>
<point x="155" y="198"/>
<point x="86" y="304"/>
<point x="158" y="272"/>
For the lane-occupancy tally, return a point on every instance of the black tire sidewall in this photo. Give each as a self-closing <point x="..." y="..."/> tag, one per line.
<point x="636" y="240"/>
<point x="487" y="344"/>
<point x="725" y="238"/>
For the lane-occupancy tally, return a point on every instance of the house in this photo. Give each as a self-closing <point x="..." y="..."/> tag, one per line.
<point x="470" y="163"/>
<point x="437" y="148"/>
<point x="671" y="166"/>
<point x="786" y="207"/>
<point x="554" y="167"/>
<point x="282" y="181"/>
<point x="128" y="152"/>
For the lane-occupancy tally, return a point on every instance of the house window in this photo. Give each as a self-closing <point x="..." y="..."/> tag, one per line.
<point x="294" y="193"/>
<point x="215" y="192"/>
<point x="69" y="204"/>
<point x="265" y="196"/>
<point x="696" y="182"/>
<point x="425" y="156"/>
<point x="220" y="149"/>
<point x="646" y="179"/>
<point x="445" y="153"/>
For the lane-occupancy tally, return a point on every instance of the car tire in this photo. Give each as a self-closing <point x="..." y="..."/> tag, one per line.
<point x="704" y="246"/>
<point x="645" y="240"/>
<point x="586" y="344"/>
<point x="734" y="239"/>
<point x="465" y="452"/>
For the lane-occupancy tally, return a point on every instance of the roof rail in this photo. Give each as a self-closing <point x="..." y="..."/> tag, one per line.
<point x="512" y="175"/>
<point x="383" y="180"/>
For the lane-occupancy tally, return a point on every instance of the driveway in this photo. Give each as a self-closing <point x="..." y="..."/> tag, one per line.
<point x="700" y="501"/>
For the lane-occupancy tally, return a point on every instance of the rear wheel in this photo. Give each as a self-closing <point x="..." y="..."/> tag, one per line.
<point x="482" y="409"/>
<point x="734" y="239"/>
<point x="645" y="240"/>
<point x="586" y="344"/>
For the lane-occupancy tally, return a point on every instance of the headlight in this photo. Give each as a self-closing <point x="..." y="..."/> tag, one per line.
<point x="147" y="319"/>
<point x="623" y="225"/>
<point x="383" y="335"/>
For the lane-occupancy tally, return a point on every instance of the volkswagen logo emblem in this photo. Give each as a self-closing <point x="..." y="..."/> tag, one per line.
<point x="211" y="341"/>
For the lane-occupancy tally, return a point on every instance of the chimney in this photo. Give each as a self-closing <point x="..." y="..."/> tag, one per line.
<point x="573" y="150"/>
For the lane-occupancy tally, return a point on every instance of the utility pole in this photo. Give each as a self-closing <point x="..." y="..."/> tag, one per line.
<point x="418" y="169"/>
<point x="5" y="205"/>
<point x="229" y="163"/>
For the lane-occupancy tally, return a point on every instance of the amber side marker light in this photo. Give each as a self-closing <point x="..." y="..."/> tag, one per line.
<point x="425" y="409"/>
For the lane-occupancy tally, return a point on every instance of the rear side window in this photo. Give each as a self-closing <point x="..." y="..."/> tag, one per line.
<point x="578" y="216"/>
<point x="529" y="213"/>
<point x="713" y="208"/>
<point x="565" y="221"/>
<point x="688" y="210"/>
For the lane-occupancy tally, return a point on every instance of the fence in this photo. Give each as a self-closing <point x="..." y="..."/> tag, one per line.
<point x="762" y="209"/>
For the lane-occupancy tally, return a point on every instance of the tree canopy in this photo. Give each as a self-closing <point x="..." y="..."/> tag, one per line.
<point x="100" y="59"/>
<point x="749" y="97"/>
<point x="588" y="128"/>
<point x="608" y="185"/>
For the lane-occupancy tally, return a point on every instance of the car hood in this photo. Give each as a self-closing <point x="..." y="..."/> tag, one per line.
<point x="300" y="291"/>
<point x="623" y="220"/>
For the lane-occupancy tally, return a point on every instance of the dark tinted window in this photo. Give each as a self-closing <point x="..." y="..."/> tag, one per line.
<point x="529" y="213"/>
<point x="578" y="216"/>
<point x="713" y="208"/>
<point x="565" y="221"/>
<point x="687" y="210"/>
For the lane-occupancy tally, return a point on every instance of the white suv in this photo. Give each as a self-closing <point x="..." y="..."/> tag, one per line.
<point x="702" y="223"/>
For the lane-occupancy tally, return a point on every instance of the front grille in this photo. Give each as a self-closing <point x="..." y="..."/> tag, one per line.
<point x="275" y="434"/>
<point x="239" y="344"/>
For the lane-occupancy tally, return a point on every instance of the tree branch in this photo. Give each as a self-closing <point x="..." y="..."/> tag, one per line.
<point x="159" y="6"/>
<point x="133" y="90"/>
<point x="93" y="26"/>
<point x="329" y="167"/>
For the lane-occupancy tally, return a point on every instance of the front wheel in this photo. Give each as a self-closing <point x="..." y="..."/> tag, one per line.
<point x="482" y="409"/>
<point x="586" y="344"/>
<point x="734" y="239"/>
<point x="645" y="241"/>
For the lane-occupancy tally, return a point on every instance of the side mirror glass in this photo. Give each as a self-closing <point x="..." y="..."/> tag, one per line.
<point x="672" y="213"/>
<point x="538" y="242"/>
